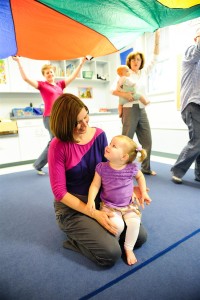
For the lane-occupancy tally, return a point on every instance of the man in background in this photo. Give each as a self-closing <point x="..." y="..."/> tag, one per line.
<point x="190" y="112"/>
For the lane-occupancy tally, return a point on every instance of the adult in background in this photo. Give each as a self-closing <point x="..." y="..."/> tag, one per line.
<point x="190" y="112"/>
<point x="50" y="90"/>
<point x="134" y="117"/>
<point x="72" y="158"/>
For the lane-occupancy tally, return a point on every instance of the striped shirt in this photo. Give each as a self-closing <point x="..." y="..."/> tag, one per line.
<point x="190" y="81"/>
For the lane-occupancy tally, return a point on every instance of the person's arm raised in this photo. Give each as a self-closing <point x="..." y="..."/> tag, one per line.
<point x="157" y="42"/>
<point x="33" y="83"/>
<point x="75" y="72"/>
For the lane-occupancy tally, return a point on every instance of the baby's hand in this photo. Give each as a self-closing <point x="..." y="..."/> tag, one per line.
<point x="141" y="197"/>
<point x="146" y="199"/>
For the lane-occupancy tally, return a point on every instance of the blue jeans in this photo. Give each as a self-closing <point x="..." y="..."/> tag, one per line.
<point x="191" y="152"/>
<point x="41" y="161"/>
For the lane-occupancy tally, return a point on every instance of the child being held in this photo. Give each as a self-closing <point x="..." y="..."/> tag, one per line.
<point x="125" y="84"/>
<point x="115" y="178"/>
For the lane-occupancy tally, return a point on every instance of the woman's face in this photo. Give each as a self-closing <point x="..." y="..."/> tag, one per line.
<point x="135" y="63"/>
<point x="81" y="122"/>
<point x="49" y="75"/>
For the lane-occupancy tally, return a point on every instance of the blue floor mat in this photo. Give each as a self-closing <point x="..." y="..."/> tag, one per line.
<point x="34" y="265"/>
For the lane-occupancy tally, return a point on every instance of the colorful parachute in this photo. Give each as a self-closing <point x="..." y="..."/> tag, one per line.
<point x="58" y="29"/>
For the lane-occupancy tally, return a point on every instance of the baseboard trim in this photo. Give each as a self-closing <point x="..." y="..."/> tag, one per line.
<point x="17" y="163"/>
<point x="164" y="154"/>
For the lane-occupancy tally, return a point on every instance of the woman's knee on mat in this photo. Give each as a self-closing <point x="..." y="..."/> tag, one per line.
<point x="109" y="256"/>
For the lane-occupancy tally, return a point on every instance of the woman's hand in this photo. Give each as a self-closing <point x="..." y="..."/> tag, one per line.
<point x="128" y="96"/>
<point x="15" y="58"/>
<point x="82" y="60"/>
<point x="103" y="218"/>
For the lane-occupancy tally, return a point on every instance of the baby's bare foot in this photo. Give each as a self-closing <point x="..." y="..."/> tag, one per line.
<point x="130" y="256"/>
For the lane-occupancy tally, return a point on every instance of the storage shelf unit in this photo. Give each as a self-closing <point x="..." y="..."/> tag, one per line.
<point x="99" y="68"/>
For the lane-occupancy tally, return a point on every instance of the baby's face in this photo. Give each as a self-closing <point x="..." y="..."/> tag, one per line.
<point x="115" y="150"/>
<point x="126" y="72"/>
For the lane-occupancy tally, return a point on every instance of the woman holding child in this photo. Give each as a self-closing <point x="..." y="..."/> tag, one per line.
<point x="134" y="117"/>
<point x="73" y="155"/>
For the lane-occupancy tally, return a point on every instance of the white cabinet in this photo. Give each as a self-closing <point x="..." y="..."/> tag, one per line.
<point x="99" y="69"/>
<point x="33" y="138"/>
<point x="28" y="145"/>
<point x="9" y="149"/>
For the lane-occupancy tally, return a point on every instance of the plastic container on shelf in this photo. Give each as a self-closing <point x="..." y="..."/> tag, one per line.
<point x="87" y="74"/>
<point x="26" y="112"/>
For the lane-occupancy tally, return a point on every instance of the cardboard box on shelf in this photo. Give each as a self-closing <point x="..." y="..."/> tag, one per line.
<point x="8" y="127"/>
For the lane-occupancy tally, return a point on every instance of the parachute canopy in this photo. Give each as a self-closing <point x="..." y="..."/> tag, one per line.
<point x="58" y="29"/>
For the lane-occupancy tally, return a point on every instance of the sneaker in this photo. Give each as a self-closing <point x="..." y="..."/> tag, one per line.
<point x="153" y="173"/>
<point x="176" y="179"/>
<point x="40" y="172"/>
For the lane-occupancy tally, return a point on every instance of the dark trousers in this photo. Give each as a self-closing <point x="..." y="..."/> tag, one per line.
<point x="191" y="152"/>
<point x="41" y="161"/>
<point x="135" y="120"/>
<point x="87" y="236"/>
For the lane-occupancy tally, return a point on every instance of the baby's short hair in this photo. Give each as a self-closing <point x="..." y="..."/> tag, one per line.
<point x="120" y="69"/>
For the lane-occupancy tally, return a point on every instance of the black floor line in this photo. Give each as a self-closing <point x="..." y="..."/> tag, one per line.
<point x="148" y="261"/>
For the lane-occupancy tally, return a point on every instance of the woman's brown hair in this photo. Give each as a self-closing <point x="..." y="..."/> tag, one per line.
<point x="132" y="55"/>
<point x="64" y="116"/>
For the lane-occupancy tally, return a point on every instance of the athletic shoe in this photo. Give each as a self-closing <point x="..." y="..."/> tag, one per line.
<point x="40" y="172"/>
<point x="176" y="179"/>
<point x="153" y="173"/>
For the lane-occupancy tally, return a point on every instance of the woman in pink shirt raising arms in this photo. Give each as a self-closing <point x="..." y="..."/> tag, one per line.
<point x="50" y="90"/>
